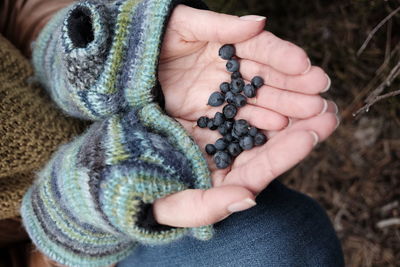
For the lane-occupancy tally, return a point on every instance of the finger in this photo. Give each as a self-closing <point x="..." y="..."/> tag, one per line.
<point x="291" y="104"/>
<point x="263" y="164"/>
<point x="266" y="48"/>
<point x="195" y="207"/>
<point x="204" y="25"/>
<point x="313" y="82"/>
<point x="323" y="125"/>
<point x="332" y="108"/>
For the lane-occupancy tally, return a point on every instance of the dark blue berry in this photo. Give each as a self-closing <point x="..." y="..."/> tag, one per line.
<point x="225" y="87"/>
<point x="228" y="125"/>
<point x="229" y="111"/>
<point x="228" y="137"/>
<point x="220" y="144"/>
<point x="219" y="119"/>
<point x="223" y="130"/>
<point x="202" y="122"/>
<point x="241" y="127"/>
<point x="249" y="90"/>
<point x="236" y="137"/>
<point x="257" y="82"/>
<point x="236" y="75"/>
<point x="229" y="97"/>
<point x="260" y="139"/>
<point x="237" y="85"/>
<point x="227" y="51"/>
<point x="234" y="149"/>
<point x="211" y="125"/>
<point x="210" y="149"/>
<point x="232" y="65"/>
<point x="247" y="142"/>
<point x="240" y="100"/>
<point x="216" y="99"/>
<point x="222" y="159"/>
<point x="253" y="131"/>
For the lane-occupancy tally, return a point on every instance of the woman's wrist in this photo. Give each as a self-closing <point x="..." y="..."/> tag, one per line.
<point x="22" y="20"/>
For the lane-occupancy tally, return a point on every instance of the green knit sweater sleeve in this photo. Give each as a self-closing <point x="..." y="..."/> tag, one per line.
<point x="89" y="204"/>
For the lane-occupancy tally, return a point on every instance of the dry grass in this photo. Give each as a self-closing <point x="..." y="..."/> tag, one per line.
<point x="355" y="174"/>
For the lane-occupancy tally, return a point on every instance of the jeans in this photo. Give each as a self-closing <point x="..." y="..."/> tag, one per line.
<point x="285" y="228"/>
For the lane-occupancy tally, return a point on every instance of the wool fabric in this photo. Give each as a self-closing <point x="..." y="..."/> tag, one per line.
<point x="31" y="128"/>
<point x="88" y="206"/>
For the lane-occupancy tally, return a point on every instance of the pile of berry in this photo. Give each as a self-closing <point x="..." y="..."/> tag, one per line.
<point x="238" y="135"/>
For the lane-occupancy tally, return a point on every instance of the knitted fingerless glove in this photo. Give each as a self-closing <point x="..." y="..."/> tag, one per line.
<point x="88" y="206"/>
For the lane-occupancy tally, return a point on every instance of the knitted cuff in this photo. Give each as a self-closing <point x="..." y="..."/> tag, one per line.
<point x="89" y="205"/>
<point x="97" y="58"/>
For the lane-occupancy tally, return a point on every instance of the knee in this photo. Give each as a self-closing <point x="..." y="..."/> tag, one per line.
<point x="294" y="229"/>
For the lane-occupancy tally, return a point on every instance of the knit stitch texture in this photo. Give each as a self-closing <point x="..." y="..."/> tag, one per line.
<point x="31" y="128"/>
<point x="98" y="60"/>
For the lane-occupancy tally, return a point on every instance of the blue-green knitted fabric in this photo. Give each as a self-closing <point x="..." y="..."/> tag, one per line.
<point x="98" y="60"/>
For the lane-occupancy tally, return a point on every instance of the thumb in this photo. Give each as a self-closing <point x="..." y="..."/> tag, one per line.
<point x="204" y="25"/>
<point x="196" y="207"/>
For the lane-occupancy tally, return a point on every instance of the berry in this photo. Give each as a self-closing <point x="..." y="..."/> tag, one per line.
<point x="210" y="149"/>
<point x="211" y="125"/>
<point x="247" y="142"/>
<point x="221" y="144"/>
<point x="249" y="90"/>
<point x="234" y="149"/>
<point x="260" y="139"/>
<point x="202" y="122"/>
<point x="219" y="119"/>
<point x="216" y="99"/>
<point x="229" y="97"/>
<point x="237" y="85"/>
<point x="257" y="81"/>
<point x="236" y="75"/>
<point x="222" y="129"/>
<point x="241" y="127"/>
<point x="232" y="65"/>
<point x="240" y="100"/>
<point x="228" y="137"/>
<point x="236" y="137"/>
<point x="222" y="159"/>
<point x="229" y="111"/>
<point x="253" y="131"/>
<point x="225" y="87"/>
<point x="227" y="51"/>
<point x="228" y="125"/>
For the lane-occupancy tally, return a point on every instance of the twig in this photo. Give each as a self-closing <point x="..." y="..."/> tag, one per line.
<point x="387" y="82"/>
<point x="388" y="222"/>
<point x="372" y="33"/>
<point x="378" y="98"/>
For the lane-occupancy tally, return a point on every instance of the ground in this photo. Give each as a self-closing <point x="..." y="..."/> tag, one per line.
<point x="355" y="174"/>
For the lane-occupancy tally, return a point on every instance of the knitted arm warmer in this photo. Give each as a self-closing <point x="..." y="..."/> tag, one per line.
<point x="89" y="204"/>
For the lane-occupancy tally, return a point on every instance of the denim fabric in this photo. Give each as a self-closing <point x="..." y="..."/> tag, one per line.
<point x="286" y="228"/>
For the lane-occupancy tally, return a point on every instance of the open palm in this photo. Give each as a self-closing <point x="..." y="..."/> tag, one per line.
<point x="190" y="70"/>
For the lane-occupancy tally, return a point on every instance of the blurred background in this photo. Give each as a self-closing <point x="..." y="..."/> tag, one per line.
<point x="355" y="174"/>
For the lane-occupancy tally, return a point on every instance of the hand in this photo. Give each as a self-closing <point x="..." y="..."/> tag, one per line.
<point x="190" y="70"/>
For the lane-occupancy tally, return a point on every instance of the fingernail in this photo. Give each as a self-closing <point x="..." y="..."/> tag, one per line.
<point x="194" y="125"/>
<point x="309" y="66"/>
<point x="336" y="108"/>
<point x="328" y="85"/>
<point x="337" y="121"/>
<point x="242" y="205"/>
<point x="325" y="107"/>
<point x="316" y="137"/>
<point x="253" y="18"/>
